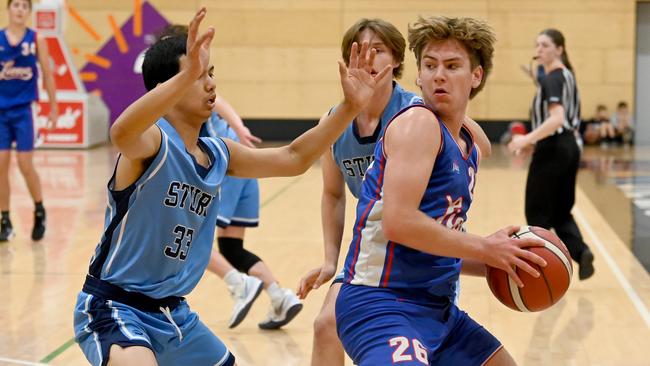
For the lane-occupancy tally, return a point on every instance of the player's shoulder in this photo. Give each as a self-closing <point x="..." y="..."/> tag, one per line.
<point x="416" y="114"/>
<point x="415" y="122"/>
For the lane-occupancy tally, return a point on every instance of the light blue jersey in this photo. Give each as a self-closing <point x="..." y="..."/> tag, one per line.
<point x="353" y="153"/>
<point x="216" y="126"/>
<point x="159" y="231"/>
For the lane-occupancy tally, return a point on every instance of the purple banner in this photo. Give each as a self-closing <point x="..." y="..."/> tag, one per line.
<point x="121" y="83"/>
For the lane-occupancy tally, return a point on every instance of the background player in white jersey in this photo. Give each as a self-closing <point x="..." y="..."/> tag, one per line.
<point x="162" y="207"/>
<point x="20" y="50"/>
<point x="396" y="303"/>
<point x="346" y="163"/>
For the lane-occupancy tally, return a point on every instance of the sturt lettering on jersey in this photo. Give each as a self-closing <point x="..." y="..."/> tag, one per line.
<point x="183" y="195"/>
<point x="357" y="166"/>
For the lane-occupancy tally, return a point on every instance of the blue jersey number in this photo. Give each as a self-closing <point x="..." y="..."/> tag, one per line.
<point x="182" y="243"/>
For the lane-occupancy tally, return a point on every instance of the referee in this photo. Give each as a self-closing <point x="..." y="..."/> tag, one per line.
<point x="550" y="187"/>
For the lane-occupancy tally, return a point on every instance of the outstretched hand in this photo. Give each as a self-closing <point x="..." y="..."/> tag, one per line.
<point x="357" y="79"/>
<point x="198" y="47"/>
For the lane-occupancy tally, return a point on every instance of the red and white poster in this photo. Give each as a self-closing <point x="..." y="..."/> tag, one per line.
<point x="68" y="129"/>
<point x="61" y="68"/>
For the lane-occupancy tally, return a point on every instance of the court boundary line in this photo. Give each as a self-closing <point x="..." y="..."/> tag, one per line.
<point x="616" y="270"/>
<point x="52" y="355"/>
<point x="21" y="362"/>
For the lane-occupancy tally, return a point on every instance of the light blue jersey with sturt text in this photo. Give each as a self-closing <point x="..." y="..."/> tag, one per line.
<point x="353" y="153"/>
<point x="159" y="231"/>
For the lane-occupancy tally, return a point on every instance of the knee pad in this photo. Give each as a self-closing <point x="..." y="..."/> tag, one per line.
<point x="233" y="250"/>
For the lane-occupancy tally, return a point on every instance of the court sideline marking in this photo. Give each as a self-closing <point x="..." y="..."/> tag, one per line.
<point x="20" y="362"/>
<point x="52" y="355"/>
<point x="629" y="290"/>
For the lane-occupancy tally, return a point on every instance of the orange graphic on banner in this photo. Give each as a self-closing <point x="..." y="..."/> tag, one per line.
<point x="137" y="18"/>
<point x="83" y="23"/>
<point x="119" y="37"/>
<point x="88" y="76"/>
<point x="100" y="61"/>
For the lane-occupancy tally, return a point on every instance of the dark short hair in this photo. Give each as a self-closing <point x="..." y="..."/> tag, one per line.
<point x="28" y="1"/>
<point x="601" y="107"/>
<point x="621" y="104"/>
<point x="162" y="60"/>
<point x="173" y="30"/>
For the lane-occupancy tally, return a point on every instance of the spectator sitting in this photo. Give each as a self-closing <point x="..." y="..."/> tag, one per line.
<point x="590" y="129"/>
<point x="623" y="123"/>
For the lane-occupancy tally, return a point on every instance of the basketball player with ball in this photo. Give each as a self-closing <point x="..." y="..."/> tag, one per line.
<point x="409" y="244"/>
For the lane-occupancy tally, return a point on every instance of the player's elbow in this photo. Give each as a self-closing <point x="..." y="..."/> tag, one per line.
<point x="121" y="138"/>
<point x="117" y="134"/>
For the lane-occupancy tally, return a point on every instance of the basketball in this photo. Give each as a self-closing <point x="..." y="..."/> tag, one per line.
<point x="537" y="293"/>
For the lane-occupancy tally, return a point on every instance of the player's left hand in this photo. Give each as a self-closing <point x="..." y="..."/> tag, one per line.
<point x="358" y="78"/>
<point x="198" y="47"/>
<point x="314" y="279"/>
<point x="52" y="117"/>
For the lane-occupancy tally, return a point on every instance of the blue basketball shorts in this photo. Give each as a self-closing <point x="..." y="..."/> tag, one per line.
<point x="239" y="202"/>
<point x="17" y="124"/>
<point x="380" y="326"/>
<point x="100" y="323"/>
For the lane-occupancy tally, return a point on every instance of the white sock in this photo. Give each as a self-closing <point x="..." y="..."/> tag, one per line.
<point x="275" y="293"/>
<point x="233" y="278"/>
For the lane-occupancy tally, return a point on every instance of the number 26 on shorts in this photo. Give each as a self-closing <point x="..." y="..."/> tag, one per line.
<point x="402" y="350"/>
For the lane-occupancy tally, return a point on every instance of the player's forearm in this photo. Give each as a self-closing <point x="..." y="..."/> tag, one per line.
<point x="414" y="229"/>
<point x="144" y="112"/>
<point x="473" y="268"/>
<point x="309" y="146"/>
<point x="48" y="81"/>
<point x="333" y="221"/>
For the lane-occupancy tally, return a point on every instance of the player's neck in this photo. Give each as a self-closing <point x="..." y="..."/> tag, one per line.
<point x="186" y="127"/>
<point x="17" y="29"/>
<point x="453" y="120"/>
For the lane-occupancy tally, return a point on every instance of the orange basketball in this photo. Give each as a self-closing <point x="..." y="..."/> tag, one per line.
<point x="537" y="293"/>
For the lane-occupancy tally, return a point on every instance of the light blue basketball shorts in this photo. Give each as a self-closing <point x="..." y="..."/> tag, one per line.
<point x="239" y="202"/>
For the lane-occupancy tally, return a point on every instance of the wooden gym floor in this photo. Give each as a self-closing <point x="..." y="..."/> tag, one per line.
<point x="601" y="321"/>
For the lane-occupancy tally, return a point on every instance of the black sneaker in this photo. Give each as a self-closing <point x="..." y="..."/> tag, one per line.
<point x="6" y="230"/>
<point x="586" y="268"/>
<point x="39" y="225"/>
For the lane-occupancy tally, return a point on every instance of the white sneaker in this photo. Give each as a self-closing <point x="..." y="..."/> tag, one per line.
<point x="244" y="296"/>
<point x="283" y="313"/>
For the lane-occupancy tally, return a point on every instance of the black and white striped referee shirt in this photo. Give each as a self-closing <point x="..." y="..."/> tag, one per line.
<point x="558" y="86"/>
